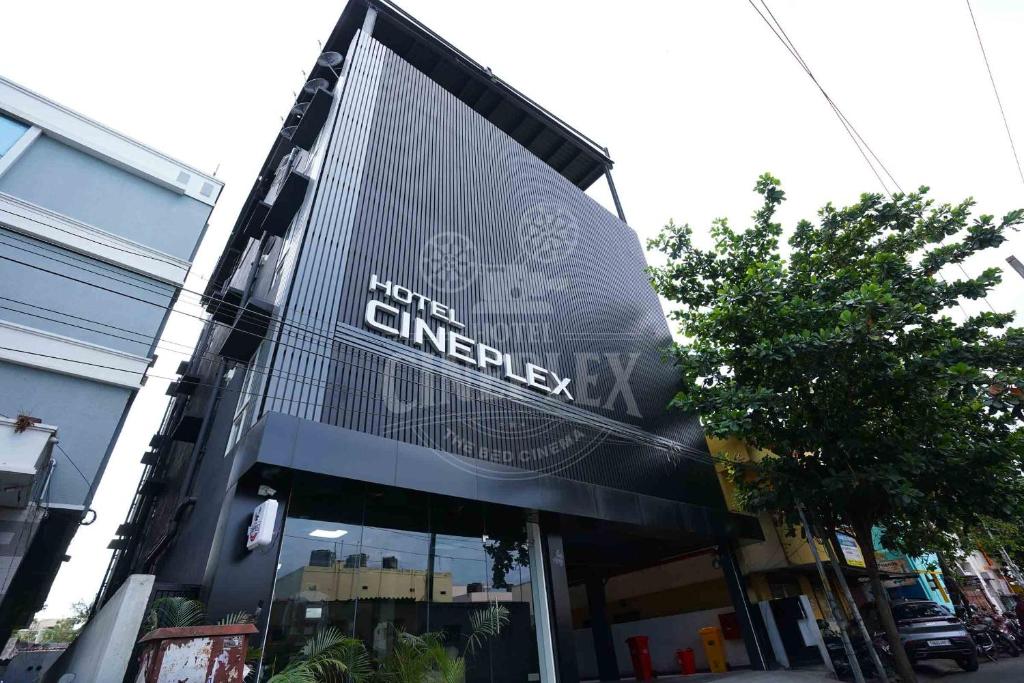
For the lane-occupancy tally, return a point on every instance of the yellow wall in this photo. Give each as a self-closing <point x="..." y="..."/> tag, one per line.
<point x="347" y="583"/>
<point x="686" y="585"/>
<point x="782" y="548"/>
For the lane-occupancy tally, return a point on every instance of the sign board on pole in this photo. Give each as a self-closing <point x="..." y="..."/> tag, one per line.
<point x="261" y="530"/>
<point x="851" y="551"/>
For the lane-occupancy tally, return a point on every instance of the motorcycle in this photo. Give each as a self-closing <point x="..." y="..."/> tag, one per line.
<point x="989" y="637"/>
<point x="1013" y="623"/>
<point x="841" y="663"/>
<point x="1006" y="637"/>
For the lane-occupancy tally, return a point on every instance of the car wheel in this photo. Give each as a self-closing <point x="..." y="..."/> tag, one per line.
<point x="968" y="663"/>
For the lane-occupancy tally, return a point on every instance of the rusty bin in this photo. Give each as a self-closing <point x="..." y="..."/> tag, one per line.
<point x="196" y="654"/>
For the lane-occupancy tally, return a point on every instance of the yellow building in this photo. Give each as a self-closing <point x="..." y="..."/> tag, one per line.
<point x="782" y="565"/>
<point x="340" y="583"/>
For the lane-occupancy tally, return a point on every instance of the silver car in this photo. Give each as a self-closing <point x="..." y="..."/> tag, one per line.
<point x="930" y="631"/>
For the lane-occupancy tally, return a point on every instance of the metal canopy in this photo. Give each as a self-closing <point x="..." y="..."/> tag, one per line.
<point x="565" y="149"/>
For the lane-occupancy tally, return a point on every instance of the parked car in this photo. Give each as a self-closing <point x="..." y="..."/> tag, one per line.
<point x="930" y="631"/>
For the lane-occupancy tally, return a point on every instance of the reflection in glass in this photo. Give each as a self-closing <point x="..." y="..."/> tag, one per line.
<point x="379" y="562"/>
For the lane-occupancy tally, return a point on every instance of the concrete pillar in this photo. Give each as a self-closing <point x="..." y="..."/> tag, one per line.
<point x="558" y="587"/>
<point x="751" y="625"/>
<point x="601" y="629"/>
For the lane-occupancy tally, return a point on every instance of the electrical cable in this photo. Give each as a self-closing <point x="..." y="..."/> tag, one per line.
<point x="74" y="464"/>
<point x="851" y="129"/>
<point x="324" y="341"/>
<point x="296" y="377"/>
<point x="847" y="125"/>
<point x="80" y="281"/>
<point x="75" y="317"/>
<point x="995" y="90"/>
<point x="783" y="37"/>
<point x="177" y="263"/>
<point x="679" y="449"/>
<point x="78" y="259"/>
<point x="81" y="327"/>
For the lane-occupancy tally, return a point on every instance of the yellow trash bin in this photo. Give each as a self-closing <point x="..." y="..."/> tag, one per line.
<point x="714" y="648"/>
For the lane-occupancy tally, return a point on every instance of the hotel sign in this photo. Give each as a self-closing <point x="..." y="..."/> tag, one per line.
<point x="261" y="529"/>
<point x="431" y="325"/>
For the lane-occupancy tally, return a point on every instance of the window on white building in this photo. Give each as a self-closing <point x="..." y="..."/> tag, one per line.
<point x="10" y="132"/>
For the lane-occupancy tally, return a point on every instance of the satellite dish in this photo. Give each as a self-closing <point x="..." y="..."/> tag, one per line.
<point x="315" y="84"/>
<point x="330" y="59"/>
<point x="288" y="131"/>
<point x="298" y="110"/>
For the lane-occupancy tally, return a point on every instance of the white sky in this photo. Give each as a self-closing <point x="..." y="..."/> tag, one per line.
<point x="694" y="100"/>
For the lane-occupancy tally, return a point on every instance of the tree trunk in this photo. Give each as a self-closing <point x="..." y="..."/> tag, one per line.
<point x="956" y="591"/>
<point x="904" y="669"/>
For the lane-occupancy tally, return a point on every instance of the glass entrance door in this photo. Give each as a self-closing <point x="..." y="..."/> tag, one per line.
<point x="404" y="572"/>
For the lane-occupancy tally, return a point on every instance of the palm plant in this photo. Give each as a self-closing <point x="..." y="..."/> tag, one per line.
<point x="328" y="657"/>
<point x="417" y="659"/>
<point x="331" y="657"/>
<point x="484" y="625"/>
<point x="175" y="612"/>
<point x="240" y="617"/>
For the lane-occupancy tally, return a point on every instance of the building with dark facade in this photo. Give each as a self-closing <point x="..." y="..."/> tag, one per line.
<point x="97" y="234"/>
<point x="433" y="382"/>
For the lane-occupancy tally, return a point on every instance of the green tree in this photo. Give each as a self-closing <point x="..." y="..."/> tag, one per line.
<point x="843" y="360"/>
<point x="66" y="629"/>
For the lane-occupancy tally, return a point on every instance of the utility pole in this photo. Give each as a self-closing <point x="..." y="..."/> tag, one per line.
<point x="833" y="604"/>
<point x="1016" y="265"/>
<point x="1010" y="565"/>
<point x="868" y="643"/>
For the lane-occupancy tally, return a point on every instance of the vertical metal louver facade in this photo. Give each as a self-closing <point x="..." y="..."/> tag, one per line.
<point x="417" y="188"/>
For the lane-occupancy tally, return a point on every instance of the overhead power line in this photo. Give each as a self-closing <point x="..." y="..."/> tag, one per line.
<point x="678" y="449"/>
<point x="317" y="337"/>
<point x="858" y="140"/>
<point x="995" y="90"/>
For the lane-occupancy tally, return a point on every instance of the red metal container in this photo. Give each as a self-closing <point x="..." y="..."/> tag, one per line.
<point x="210" y="654"/>
<point x="641" y="656"/>
<point x="687" y="663"/>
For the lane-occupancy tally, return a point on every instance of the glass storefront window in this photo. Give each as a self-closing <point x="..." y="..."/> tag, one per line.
<point x="377" y="562"/>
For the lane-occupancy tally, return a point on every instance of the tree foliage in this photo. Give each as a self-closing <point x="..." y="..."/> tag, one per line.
<point x="68" y="628"/>
<point x="845" y="361"/>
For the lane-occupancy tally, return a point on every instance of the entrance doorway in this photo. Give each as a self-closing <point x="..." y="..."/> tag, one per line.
<point x="380" y="564"/>
<point x="626" y="580"/>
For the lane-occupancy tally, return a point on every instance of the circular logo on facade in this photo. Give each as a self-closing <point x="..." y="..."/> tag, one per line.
<point x="449" y="261"/>
<point x="548" y="233"/>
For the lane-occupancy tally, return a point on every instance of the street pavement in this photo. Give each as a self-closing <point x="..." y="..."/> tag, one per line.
<point x="1002" y="670"/>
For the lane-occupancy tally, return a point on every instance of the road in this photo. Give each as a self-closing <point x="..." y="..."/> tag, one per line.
<point x="1004" y="669"/>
